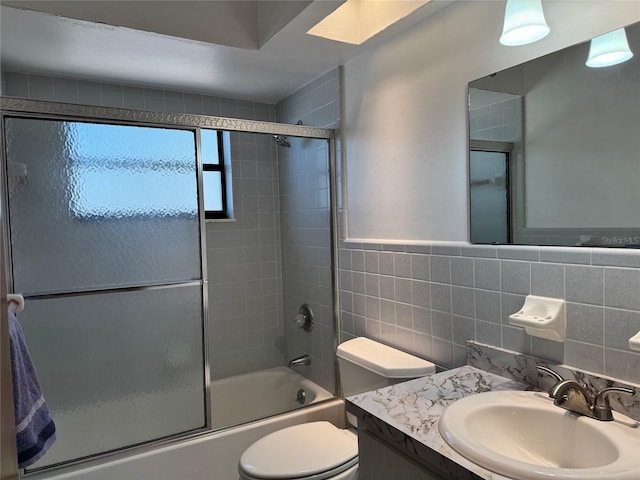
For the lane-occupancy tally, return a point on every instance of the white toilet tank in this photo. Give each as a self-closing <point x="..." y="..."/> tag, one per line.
<point x="367" y="365"/>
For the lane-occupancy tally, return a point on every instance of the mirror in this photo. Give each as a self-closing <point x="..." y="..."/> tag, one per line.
<point x="555" y="152"/>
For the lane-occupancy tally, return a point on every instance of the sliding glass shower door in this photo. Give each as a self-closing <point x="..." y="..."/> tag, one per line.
<point x="105" y="247"/>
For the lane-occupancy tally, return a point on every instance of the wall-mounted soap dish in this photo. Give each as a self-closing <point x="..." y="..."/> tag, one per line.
<point x="542" y="317"/>
<point x="634" y="342"/>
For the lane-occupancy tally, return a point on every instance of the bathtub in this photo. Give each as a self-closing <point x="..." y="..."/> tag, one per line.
<point x="215" y="455"/>
<point x="256" y="395"/>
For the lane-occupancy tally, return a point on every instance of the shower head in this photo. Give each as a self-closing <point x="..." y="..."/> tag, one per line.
<point x="282" y="141"/>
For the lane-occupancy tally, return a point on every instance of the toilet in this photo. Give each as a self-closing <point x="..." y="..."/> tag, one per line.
<point x="320" y="450"/>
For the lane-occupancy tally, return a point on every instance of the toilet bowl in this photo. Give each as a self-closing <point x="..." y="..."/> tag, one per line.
<point x="320" y="450"/>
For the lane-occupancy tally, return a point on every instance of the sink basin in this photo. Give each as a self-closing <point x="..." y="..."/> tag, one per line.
<point x="523" y="435"/>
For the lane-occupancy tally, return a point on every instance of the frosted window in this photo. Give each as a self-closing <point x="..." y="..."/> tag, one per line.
<point x="120" y="171"/>
<point x="101" y="205"/>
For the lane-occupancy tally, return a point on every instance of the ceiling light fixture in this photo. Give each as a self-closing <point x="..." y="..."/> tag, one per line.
<point x="523" y="23"/>
<point x="609" y="49"/>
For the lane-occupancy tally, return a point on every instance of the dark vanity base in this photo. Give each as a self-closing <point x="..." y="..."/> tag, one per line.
<point x="379" y="460"/>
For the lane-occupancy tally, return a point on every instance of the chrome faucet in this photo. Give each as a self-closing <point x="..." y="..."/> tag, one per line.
<point x="573" y="396"/>
<point x="301" y="360"/>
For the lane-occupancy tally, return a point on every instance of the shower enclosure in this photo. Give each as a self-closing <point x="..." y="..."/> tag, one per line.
<point x="135" y="303"/>
<point x="274" y="258"/>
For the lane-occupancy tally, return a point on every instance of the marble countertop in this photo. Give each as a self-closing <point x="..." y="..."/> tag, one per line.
<point x="406" y="415"/>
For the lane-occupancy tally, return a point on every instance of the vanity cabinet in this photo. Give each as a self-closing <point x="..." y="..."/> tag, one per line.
<point x="380" y="461"/>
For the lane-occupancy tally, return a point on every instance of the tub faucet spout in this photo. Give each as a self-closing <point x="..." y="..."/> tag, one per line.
<point x="299" y="361"/>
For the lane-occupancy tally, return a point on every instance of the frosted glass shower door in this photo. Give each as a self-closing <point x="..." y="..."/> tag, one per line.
<point x="105" y="244"/>
<point x="101" y="205"/>
<point x="489" y="196"/>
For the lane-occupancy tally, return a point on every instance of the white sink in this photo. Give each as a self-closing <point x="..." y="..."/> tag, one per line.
<point x="523" y="435"/>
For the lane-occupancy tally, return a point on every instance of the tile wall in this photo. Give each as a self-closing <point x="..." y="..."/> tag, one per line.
<point x="244" y="260"/>
<point x="305" y="220"/>
<point x="431" y="299"/>
<point x="69" y="90"/>
<point x="317" y="104"/>
<point x="498" y="122"/>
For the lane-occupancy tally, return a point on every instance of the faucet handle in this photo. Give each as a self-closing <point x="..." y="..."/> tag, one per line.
<point x="304" y="318"/>
<point x="548" y="371"/>
<point x="601" y="407"/>
<point x="554" y="374"/>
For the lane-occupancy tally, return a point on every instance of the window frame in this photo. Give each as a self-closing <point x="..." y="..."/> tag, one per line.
<point x="216" y="167"/>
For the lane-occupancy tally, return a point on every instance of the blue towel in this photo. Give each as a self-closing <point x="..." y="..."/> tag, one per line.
<point x="35" y="431"/>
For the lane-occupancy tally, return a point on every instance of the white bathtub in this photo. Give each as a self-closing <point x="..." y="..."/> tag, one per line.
<point x="256" y="395"/>
<point x="214" y="456"/>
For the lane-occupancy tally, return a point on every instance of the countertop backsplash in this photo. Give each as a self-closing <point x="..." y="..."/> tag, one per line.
<point x="522" y="368"/>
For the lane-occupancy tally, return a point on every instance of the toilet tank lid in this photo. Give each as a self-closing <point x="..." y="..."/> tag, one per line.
<point x="384" y="360"/>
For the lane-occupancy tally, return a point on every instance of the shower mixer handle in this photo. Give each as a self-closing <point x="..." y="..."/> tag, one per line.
<point x="304" y="318"/>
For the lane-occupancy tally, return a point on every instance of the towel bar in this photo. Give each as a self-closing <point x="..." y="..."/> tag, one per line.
<point x="16" y="302"/>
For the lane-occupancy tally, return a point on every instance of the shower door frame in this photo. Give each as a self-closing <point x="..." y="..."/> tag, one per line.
<point x="18" y="107"/>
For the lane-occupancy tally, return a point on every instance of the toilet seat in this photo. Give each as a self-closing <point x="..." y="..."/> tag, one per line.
<point x="309" y="451"/>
